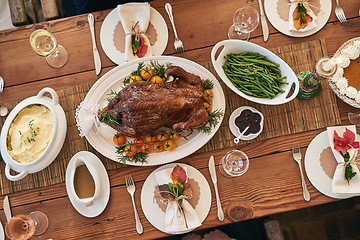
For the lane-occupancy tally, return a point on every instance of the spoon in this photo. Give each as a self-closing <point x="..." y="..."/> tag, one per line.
<point x="236" y="140"/>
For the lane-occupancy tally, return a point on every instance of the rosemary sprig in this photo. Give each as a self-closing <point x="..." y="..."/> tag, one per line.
<point x="214" y="118"/>
<point x="139" y="157"/>
<point x="106" y="117"/>
<point x="135" y="72"/>
<point x="208" y="84"/>
<point x="111" y="95"/>
<point x="160" y="70"/>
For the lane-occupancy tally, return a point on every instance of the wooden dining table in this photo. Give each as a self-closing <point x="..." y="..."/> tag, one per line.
<point x="271" y="185"/>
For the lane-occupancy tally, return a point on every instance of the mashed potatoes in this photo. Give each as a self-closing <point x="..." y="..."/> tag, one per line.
<point x="30" y="133"/>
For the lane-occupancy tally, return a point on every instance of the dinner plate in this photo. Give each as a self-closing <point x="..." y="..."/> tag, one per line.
<point x="238" y="46"/>
<point x="99" y="203"/>
<point x="283" y="26"/>
<point x="152" y="211"/>
<point x="2" y="234"/>
<point x="108" y="28"/>
<point x="314" y="171"/>
<point x="113" y="80"/>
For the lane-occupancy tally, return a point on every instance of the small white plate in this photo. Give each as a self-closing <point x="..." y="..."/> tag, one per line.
<point x="108" y="28"/>
<point x="314" y="171"/>
<point x="2" y="234"/>
<point x="101" y="202"/>
<point x="235" y="130"/>
<point x="283" y="26"/>
<point x="152" y="211"/>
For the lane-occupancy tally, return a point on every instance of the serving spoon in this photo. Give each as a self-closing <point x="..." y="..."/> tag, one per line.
<point x="236" y="140"/>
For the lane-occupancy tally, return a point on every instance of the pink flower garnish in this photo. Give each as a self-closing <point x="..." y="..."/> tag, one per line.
<point x="346" y="142"/>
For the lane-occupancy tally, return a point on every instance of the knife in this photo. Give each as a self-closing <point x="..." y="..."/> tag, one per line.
<point x="97" y="59"/>
<point x="7" y="208"/>
<point x="214" y="180"/>
<point x="264" y="25"/>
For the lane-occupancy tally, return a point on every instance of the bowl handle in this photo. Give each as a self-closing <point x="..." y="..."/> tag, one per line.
<point x="216" y="48"/>
<point x="52" y="92"/>
<point x="295" y="92"/>
<point x="14" y="177"/>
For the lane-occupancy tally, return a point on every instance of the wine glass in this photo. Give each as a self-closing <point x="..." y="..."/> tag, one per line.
<point x="22" y="227"/>
<point x="45" y="44"/>
<point x="245" y="20"/>
<point x="354" y="118"/>
<point x="235" y="163"/>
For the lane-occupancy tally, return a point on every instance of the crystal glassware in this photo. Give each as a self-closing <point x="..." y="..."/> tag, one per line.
<point x="245" y="20"/>
<point x="235" y="163"/>
<point x="45" y="44"/>
<point x="22" y="227"/>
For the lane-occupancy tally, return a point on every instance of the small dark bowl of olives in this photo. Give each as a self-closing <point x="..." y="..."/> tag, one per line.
<point x="243" y="117"/>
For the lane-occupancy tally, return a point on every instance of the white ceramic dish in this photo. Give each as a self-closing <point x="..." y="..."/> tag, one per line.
<point x="235" y="130"/>
<point x="314" y="171"/>
<point x="113" y="80"/>
<point x="100" y="203"/>
<point x="239" y="46"/>
<point x="283" y="26"/>
<point x="108" y="28"/>
<point x="152" y="211"/>
<point x="2" y="234"/>
<point x="55" y="144"/>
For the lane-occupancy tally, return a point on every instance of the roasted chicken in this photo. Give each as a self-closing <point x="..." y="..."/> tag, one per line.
<point x="143" y="107"/>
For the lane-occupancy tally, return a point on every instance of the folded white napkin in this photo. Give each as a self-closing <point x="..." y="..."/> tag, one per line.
<point x="311" y="25"/>
<point x="174" y="221"/>
<point x="340" y="185"/>
<point x="130" y="14"/>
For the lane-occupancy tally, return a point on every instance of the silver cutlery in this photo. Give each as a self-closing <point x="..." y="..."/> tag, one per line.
<point x="179" y="47"/>
<point x="97" y="59"/>
<point x="214" y="180"/>
<point x="297" y="157"/>
<point x="339" y="12"/>
<point x="7" y="208"/>
<point x="130" y="186"/>
<point x="264" y="26"/>
<point x="1" y="84"/>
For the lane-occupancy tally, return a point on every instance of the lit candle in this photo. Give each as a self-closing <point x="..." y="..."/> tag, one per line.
<point x="330" y="64"/>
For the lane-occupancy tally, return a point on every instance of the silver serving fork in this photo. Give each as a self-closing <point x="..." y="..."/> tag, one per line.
<point x="339" y="12"/>
<point x="179" y="47"/>
<point x="130" y="186"/>
<point x="297" y="157"/>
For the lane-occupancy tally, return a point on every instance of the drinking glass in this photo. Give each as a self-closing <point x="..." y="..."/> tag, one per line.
<point x="245" y="20"/>
<point x="22" y="227"/>
<point x="235" y="163"/>
<point x="45" y="44"/>
<point x="354" y="118"/>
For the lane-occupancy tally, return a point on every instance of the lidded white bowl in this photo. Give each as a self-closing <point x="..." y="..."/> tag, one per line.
<point x="56" y="141"/>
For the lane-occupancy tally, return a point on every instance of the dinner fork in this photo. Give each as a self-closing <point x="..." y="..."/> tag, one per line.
<point x="130" y="186"/>
<point x="179" y="47"/>
<point x="1" y="84"/>
<point x="339" y="12"/>
<point x="297" y="157"/>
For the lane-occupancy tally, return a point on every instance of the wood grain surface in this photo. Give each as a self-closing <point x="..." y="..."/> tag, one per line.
<point x="272" y="183"/>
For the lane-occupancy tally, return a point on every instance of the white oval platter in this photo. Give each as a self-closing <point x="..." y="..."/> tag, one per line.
<point x="113" y="80"/>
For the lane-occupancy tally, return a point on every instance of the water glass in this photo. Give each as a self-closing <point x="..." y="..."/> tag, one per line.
<point x="235" y="163"/>
<point x="245" y="20"/>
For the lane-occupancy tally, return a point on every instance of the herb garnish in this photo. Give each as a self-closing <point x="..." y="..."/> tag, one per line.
<point x="139" y="157"/>
<point x="106" y="117"/>
<point x="111" y="95"/>
<point x="214" y="118"/>
<point x="208" y="84"/>
<point x="301" y="9"/>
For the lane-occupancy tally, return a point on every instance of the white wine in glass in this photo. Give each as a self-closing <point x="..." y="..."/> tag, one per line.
<point x="45" y="44"/>
<point x="20" y="227"/>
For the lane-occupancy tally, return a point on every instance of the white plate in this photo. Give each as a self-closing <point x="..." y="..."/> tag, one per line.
<point x="314" y="171"/>
<point x="113" y="80"/>
<point x="239" y="46"/>
<point x="283" y="26"/>
<point x="235" y="130"/>
<point x="108" y="28"/>
<point x="151" y="209"/>
<point x="2" y="234"/>
<point x="101" y="202"/>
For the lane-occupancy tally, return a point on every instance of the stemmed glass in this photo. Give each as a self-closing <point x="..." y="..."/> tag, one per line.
<point x="45" y="44"/>
<point x="234" y="163"/>
<point x="245" y="20"/>
<point x="22" y="227"/>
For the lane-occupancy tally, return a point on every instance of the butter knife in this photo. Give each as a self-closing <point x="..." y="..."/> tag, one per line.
<point x="97" y="59"/>
<point x="264" y="26"/>
<point x="7" y="208"/>
<point x="214" y="180"/>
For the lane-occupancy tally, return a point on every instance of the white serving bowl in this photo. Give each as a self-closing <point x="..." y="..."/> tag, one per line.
<point x="239" y="46"/>
<point x="54" y="146"/>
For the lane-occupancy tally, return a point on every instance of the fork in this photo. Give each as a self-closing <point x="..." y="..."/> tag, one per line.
<point x="339" y="12"/>
<point x="297" y="157"/>
<point x="179" y="47"/>
<point x="130" y="186"/>
<point x="1" y="84"/>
